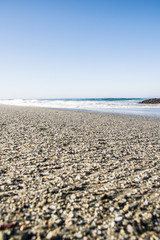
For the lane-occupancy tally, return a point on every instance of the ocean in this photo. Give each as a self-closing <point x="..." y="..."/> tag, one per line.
<point x="105" y="105"/>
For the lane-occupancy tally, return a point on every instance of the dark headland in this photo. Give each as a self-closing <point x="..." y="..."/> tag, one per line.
<point x="151" y="101"/>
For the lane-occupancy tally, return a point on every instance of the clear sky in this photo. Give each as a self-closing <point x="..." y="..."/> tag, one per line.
<point x="79" y="48"/>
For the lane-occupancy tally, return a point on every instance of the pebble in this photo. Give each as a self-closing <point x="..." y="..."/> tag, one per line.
<point x="1" y="235"/>
<point x="51" y="235"/>
<point x="79" y="235"/>
<point x="130" y="228"/>
<point x="118" y="219"/>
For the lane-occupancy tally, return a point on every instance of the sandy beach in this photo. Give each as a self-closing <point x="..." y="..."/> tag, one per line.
<point x="78" y="175"/>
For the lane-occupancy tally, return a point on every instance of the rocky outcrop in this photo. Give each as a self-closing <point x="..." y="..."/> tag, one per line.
<point x="151" y="101"/>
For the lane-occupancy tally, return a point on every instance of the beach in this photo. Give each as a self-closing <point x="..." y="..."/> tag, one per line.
<point x="78" y="175"/>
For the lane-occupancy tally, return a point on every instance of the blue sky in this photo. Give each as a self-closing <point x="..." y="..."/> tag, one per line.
<point x="79" y="48"/>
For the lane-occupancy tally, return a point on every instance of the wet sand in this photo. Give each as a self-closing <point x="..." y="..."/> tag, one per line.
<point x="77" y="175"/>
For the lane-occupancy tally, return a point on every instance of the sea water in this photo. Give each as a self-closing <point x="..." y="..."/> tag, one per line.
<point x="105" y="105"/>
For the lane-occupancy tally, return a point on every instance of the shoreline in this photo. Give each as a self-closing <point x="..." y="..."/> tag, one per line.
<point x="111" y="111"/>
<point x="78" y="175"/>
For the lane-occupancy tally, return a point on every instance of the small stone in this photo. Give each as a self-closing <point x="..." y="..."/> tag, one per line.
<point x="147" y="217"/>
<point x="130" y="228"/>
<point x="111" y="209"/>
<point x="51" y="235"/>
<point x="146" y="202"/>
<point x="70" y="215"/>
<point x="118" y="219"/>
<point x="68" y="224"/>
<point x="23" y="227"/>
<point x="73" y="196"/>
<point x="85" y="238"/>
<point x="78" y="177"/>
<point x="133" y="238"/>
<point x="125" y="222"/>
<point x="122" y="232"/>
<point x="26" y="236"/>
<point x="128" y="215"/>
<point x="105" y="227"/>
<point x="79" y="235"/>
<point x="126" y="207"/>
<point x="2" y="236"/>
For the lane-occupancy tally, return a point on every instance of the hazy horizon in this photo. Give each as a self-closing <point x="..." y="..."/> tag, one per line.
<point x="79" y="49"/>
<point x="77" y="98"/>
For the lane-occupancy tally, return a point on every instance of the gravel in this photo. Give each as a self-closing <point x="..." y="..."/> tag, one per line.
<point x="78" y="175"/>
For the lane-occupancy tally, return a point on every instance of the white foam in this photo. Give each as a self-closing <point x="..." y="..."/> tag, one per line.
<point x="125" y="107"/>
